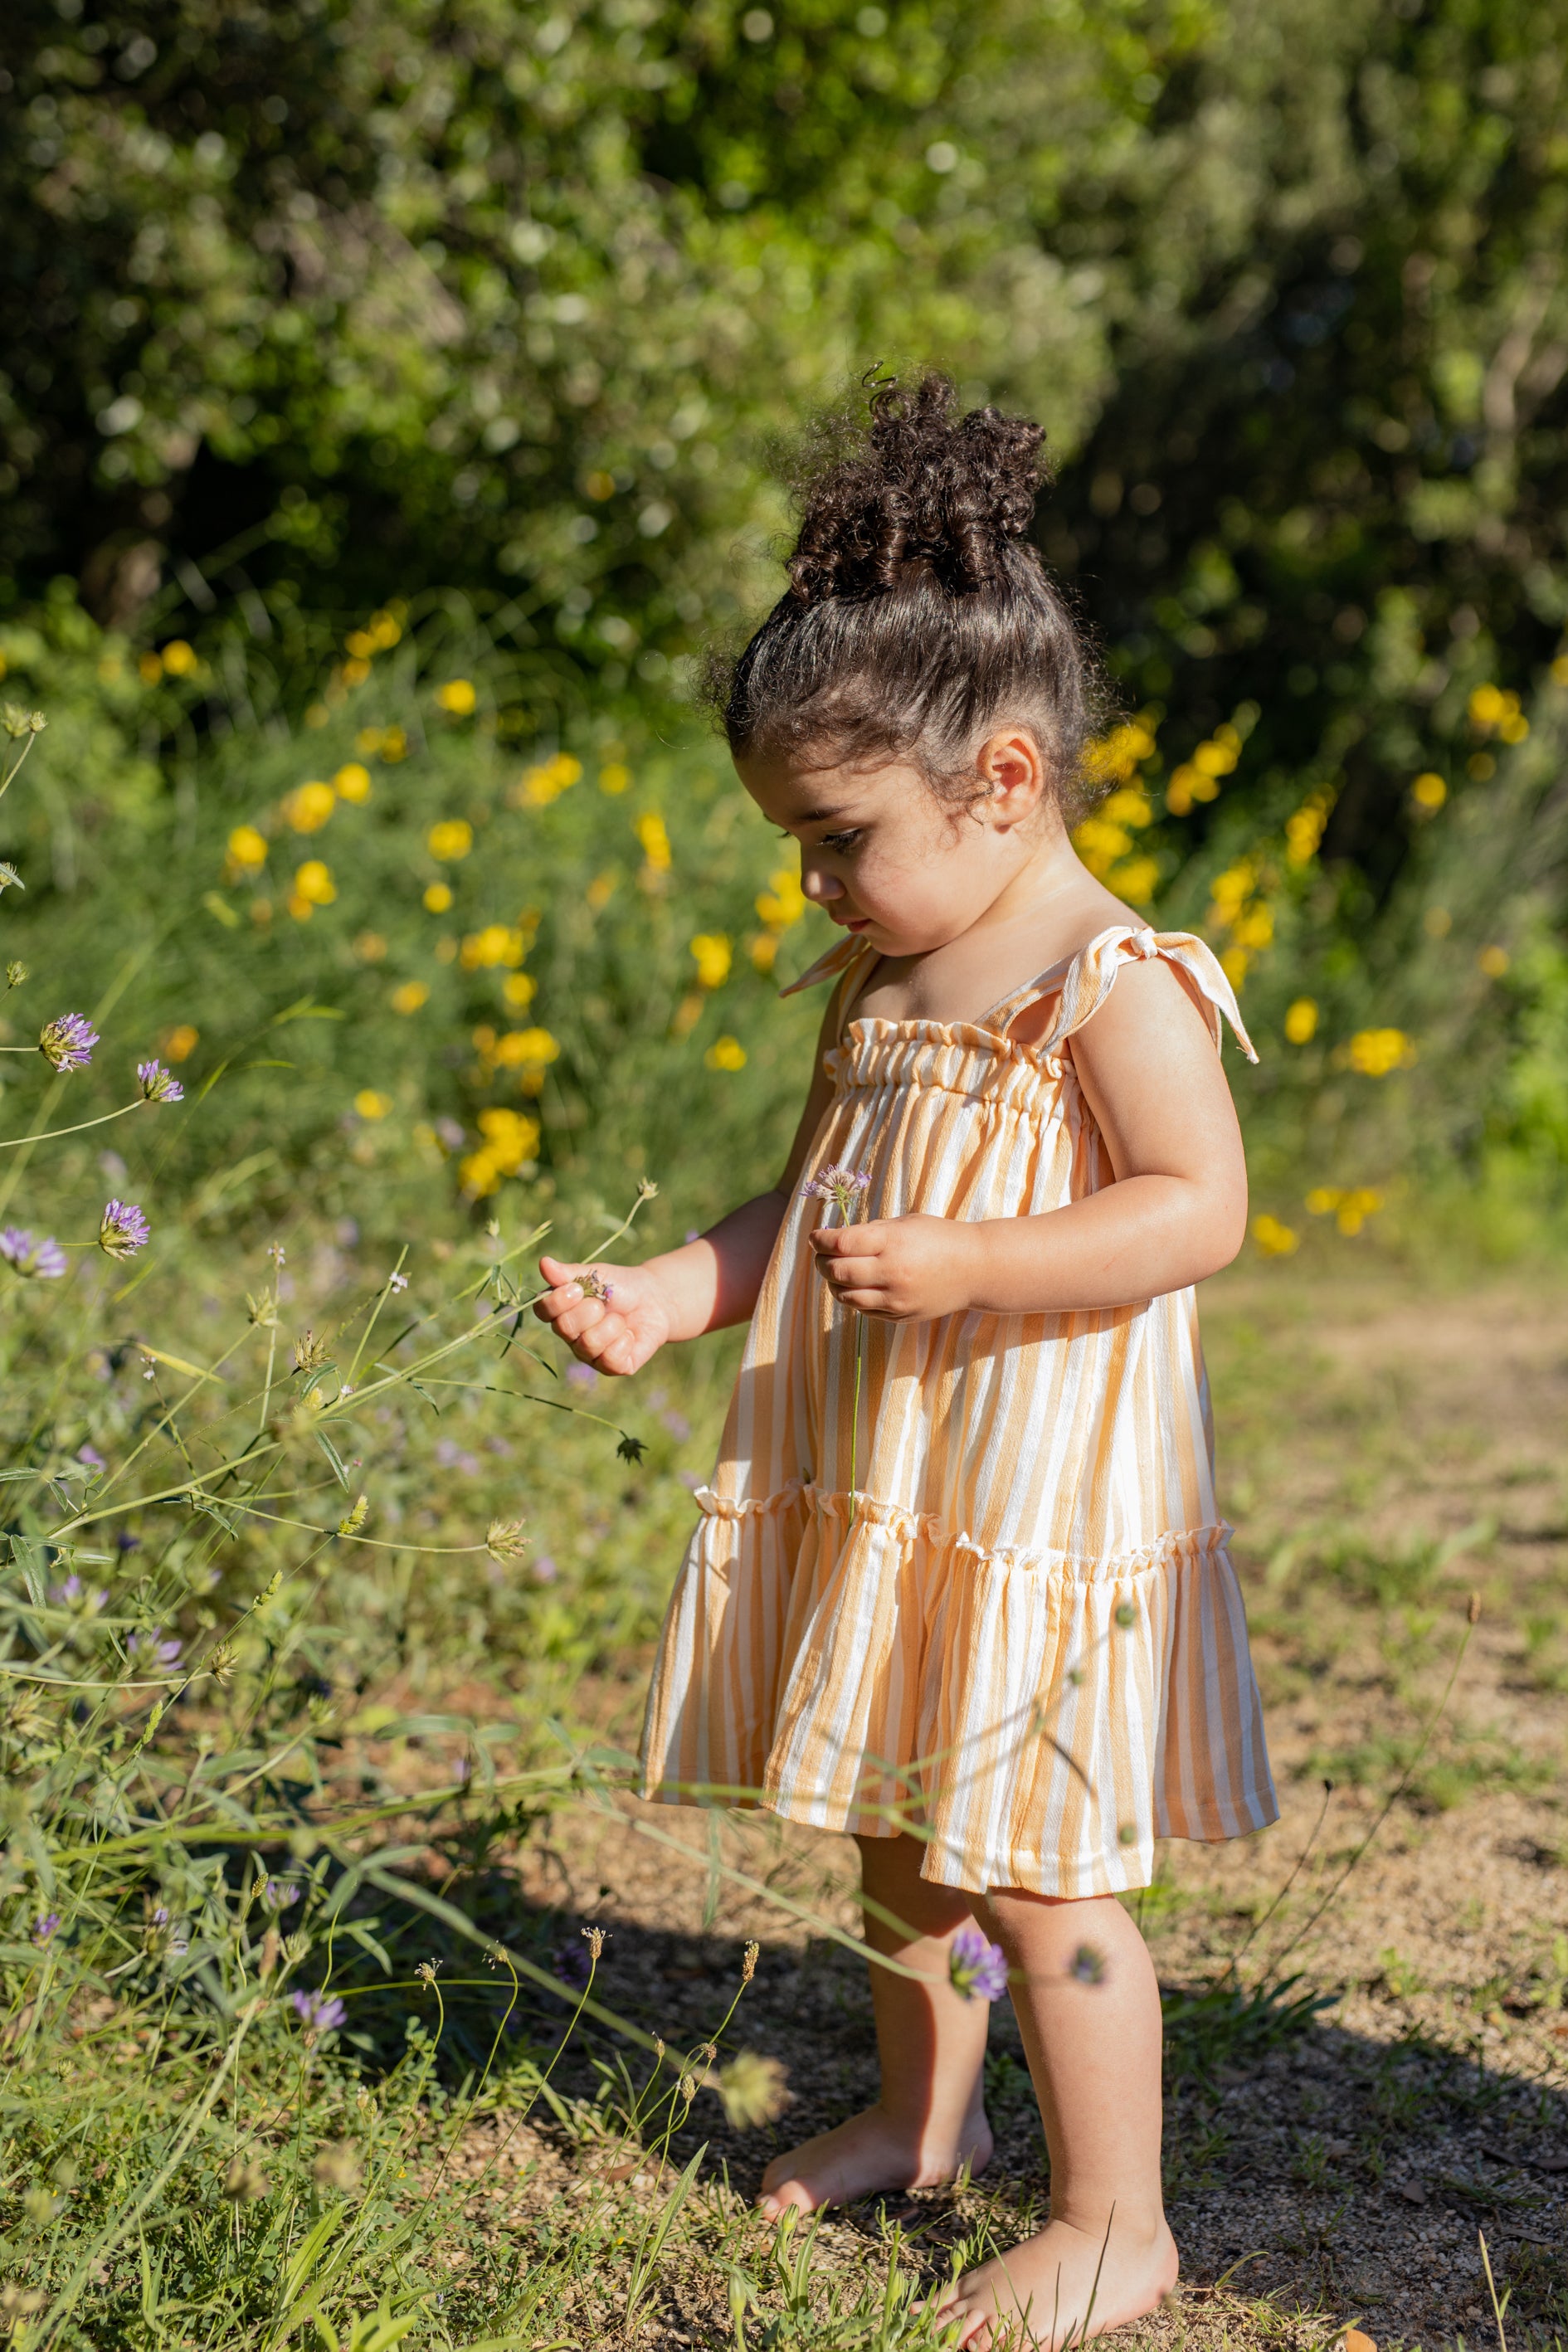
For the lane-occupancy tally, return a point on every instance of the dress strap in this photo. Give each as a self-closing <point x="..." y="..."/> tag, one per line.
<point x="1090" y="975"/>
<point x="838" y="960"/>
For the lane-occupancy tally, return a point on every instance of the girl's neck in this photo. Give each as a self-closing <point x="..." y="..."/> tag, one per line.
<point x="1049" y="907"/>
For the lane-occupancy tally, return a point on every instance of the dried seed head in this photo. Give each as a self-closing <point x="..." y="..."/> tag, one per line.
<point x="310" y="1353"/>
<point x="753" y="2089"/>
<point x="426" y="1972"/>
<point x="262" y="1310"/>
<point x="337" y="2167"/>
<point x="506" y="1540"/>
<point x="594" y="1939"/>
<point x="1474" y="1611"/>
<point x="688" y="2088"/>
<point x="245" y="2181"/>
<point x="754" y="1953"/>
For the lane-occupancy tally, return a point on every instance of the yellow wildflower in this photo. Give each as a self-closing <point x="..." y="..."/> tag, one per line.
<point x="1301" y="1020"/>
<point x="1489" y="703"/>
<point x="385" y="631"/>
<point x="650" y="832"/>
<point x="1349" y="1209"/>
<point x="1376" y="1052"/>
<point x="1304" y="829"/>
<point x="458" y="697"/>
<point x="511" y="1139"/>
<point x="1228" y="890"/>
<point x="1214" y="759"/>
<point x="1494" y="962"/>
<point x="1429" y="791"/>
<point x="439" y="897"/>
<point x="313" y="883"/>
<point x="497" y="944"/>
<point x="601" y="891"/>
<point x="784" y="901"/>
<point x="149" y="668"/>
<point x="180" y="1043"/>
<point x="1233" y="962"/>
<point x="355" y="670"/>
<point x="452" y="838"/>
<point x="246" y="849"/>
<point x="544" y="783"/>
<point x="352" y="783"/>
<point x="179" y="659"/>
<point x="394" y="745"/>
<point x="1560" y="670"/>
<point x="1253" y="926"/>
<point x="1274" y="1239"/>
<point x="714" y="955"/>
<point x="614" y="778"/>
<point x="764" y="951"/>
<point x="409" y="995"/>
<point x="687" y="1014"/>
<point x="361" y="644"/>
<point x="308" y="809"/>
<point x="371" y="1105"/>
<point x="520" y="989"/>
<point x="1114" y="757"/>
<point x="725" y="1053"/>
<point x="517" y="1047"/>
<point x="1137" y="878"/>
<point x="1513" y="727"/>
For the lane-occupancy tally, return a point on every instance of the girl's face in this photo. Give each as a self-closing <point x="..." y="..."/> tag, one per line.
<point x="882" y="855"/>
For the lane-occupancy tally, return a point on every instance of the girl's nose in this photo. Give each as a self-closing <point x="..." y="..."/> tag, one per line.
<point x="818" y="884"/>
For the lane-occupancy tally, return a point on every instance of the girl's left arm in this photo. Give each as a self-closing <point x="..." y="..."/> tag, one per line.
<point x="1177" y="1211"/>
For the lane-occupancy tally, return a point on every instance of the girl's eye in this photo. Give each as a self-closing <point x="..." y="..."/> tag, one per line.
<point x="839" y="841"/>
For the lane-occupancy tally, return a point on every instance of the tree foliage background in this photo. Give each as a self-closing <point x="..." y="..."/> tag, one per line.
<point x="337" y="300"/>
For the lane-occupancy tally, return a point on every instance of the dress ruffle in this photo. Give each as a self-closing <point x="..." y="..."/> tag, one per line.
<point x="1042" y="1717"/>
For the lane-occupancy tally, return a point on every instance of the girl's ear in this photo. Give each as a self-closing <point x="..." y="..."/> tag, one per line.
<point x="1012" y="770"/>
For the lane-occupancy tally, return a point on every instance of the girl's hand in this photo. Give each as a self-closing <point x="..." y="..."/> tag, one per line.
<point x="905" y="1268"/>
<point x="617" y="1334"/>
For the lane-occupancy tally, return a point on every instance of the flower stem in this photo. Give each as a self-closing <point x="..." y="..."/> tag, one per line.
<point x="48" y="1134"/>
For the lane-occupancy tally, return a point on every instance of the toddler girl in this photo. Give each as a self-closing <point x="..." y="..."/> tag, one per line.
<point x="960" y="1586"/>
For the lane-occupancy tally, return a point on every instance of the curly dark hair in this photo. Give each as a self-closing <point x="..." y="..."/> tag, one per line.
<point x="918" y="616"/>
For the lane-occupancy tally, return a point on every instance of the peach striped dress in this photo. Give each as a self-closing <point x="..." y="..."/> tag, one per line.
<point x="1022" y="1630"/>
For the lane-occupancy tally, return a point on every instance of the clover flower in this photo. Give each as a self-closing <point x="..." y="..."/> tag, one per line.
<point x="74" y="1594"/>
<point x="159" y="1085"/>
<point x="123" y="1230"/>
<point x="44" y="1929"/>
<point x="593" y="1286"/>
<point x="319" y="2011"/>
<point x="278" y="1893"/>
<point x="45" y="1258"/>
<point x="977" y="1968"/>
<point x="69" y="1041"/>
<point x="841" y="1186"/>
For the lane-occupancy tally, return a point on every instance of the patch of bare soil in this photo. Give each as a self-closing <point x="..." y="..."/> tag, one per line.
<point x="1385" y="1456"/>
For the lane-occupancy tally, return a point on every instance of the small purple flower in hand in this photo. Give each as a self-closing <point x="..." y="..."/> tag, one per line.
<point x="319" y="2011"/>
<point x="593" y="1286"/>
<point x="159" y="1085"/>
<point x="978" y="1968"/>
<point x="841" y="1186"/>
<point x="67" y="1042"/>
<point x="123" y="1229"/>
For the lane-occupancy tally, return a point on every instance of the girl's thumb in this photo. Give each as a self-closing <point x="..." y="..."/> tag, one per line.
<point x="555" y="1271"/>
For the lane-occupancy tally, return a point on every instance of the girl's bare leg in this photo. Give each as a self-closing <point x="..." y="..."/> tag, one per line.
<point x="1089" y="2005"/>
<point x="929" y="2119"/>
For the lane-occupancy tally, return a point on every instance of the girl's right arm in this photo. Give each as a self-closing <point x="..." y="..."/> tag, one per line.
<point x="706" y="1286"/>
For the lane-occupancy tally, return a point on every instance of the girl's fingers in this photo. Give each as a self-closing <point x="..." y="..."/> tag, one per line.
<point x="845" y="1273"/>
<point x="580" y="1317"/>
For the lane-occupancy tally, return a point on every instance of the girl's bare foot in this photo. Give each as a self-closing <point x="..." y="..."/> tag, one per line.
<point x="1044" y="2293"/>
<point x="872" y="2151"/>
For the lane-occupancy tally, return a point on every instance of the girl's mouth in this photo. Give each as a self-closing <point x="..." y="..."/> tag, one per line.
<point x="857" y="922"/>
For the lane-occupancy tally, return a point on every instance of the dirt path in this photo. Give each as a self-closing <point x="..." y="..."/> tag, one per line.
<point x="1384" y="1457"/>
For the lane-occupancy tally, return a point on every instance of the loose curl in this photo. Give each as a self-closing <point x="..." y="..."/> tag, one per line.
<point x="918" y="617"/>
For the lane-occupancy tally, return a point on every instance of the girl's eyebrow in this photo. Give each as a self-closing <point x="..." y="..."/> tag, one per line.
<point x="820" y="816"/>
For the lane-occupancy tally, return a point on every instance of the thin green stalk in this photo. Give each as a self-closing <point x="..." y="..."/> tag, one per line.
<point x="53" y="1134"/>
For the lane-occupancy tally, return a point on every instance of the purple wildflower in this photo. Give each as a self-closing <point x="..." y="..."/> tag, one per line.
<point x="841" y="1186"/>
<point x="593" y="1286"/>
<point x="152" y="1650"/>
<point x="74" y="1594"/>
<point x="43" y="1258"/>
<point x="159" y="1085"/>
<point x="977" y="1968"/>
<point x="93" y="1459"/>
<point x="1087" y="1966"/>
<point x="320" y="2012"/>
<point x="278" y="1893"/>
<point x="45" y="1928"/>
<point x="69" y="1042"/>
<point x="123" y="1229"/>
<point x="572" y="1965"/>
<point x="161" y="1916"/>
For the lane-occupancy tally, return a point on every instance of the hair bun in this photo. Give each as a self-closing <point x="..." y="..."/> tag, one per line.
<point x="925" y="495"/>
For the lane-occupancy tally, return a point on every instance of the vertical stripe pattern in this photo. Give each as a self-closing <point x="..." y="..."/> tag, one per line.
<point x="1022" y="1629"/>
